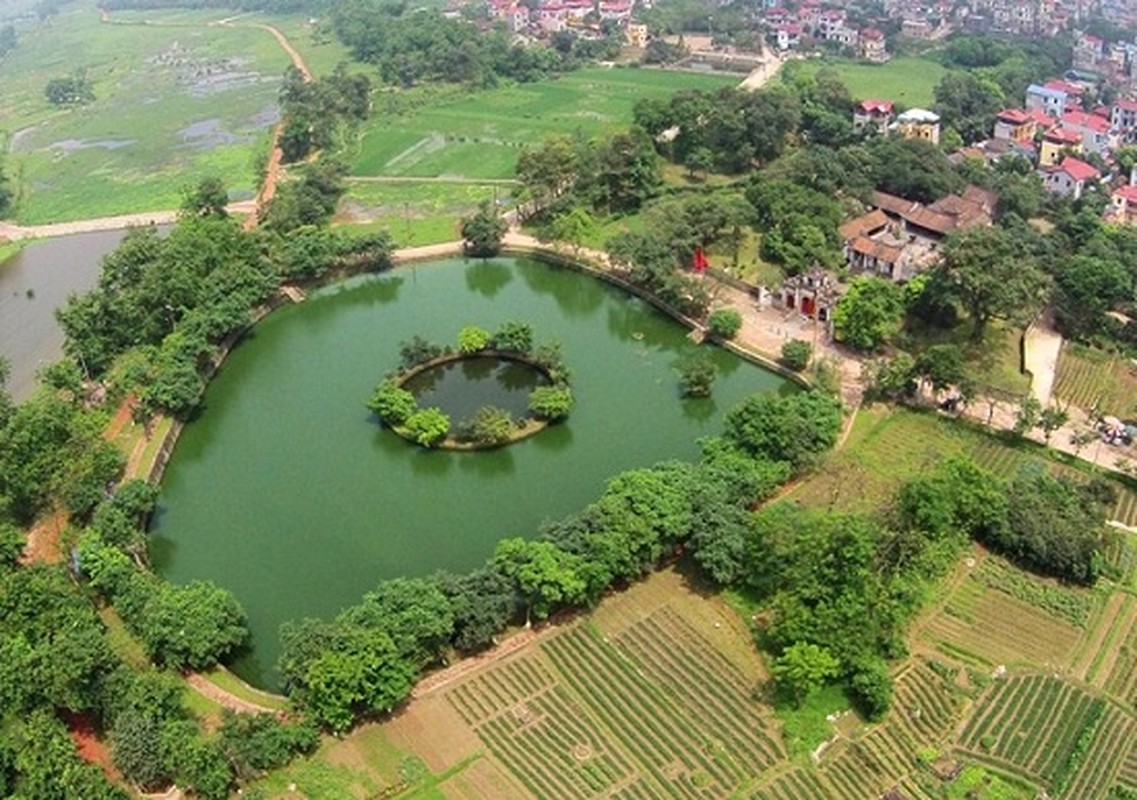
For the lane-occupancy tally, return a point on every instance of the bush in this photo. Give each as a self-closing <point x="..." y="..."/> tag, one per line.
<point x="392" y="403"/>
<point x="418" y="351"/>
<point x="796" y="354"/>
<point x="471" y="339"/>
<point x="489" y="425"/>
<point x="696" y="375"/>
<point x="515" y="336"/>
<point x="725" y="323"/>
<point x="428" y="426"/>
<point x="550" y="403"/>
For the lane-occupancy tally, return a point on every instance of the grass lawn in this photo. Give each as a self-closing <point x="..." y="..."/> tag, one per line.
<point x="993" y="363"/>
<point x="413" y="213"/>
<point x="322" y="54"/>
<point x="176" y="100"/>
<point x="807" y="726"/>
<point x="479" y="135"/>
<point x="904" y="80"/>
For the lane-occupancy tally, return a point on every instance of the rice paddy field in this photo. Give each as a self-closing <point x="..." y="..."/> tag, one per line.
<point x="176" y="99"/>
<point x="414" y="213"/>
<point x="905" y="80"/>
<point x="430" y="133"/>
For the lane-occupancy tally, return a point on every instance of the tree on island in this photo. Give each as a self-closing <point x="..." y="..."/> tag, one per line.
<point x="696" y="375"/>
<point x="551" y="403"/>
<point x="428" y="426"/>
<point x="488" y="426"/>
<point x="392" y="403"/>
<point x="482" y="233"/>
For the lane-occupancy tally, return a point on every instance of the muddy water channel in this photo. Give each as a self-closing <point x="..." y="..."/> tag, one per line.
<point x="287" y="492"/>
<point x="35" y="282"/>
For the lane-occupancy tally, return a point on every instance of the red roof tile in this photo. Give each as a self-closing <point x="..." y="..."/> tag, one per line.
<point x="1077" y="169"/>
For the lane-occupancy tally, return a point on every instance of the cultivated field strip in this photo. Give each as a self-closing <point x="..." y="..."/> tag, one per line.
<point x="1001" y="629"/>
<point x="704" y="682"/>
<point x="1125" y="510"/>
<point x="1121" y="679"/>
<point x="868" y="767"/>
<point x="796" y="785"/>
<point x="924" y="706"/>
<point x="1030" y="722"/>
<point x="1128" y="774"/>
<point x="539" y="733"/>
<point x="1112" y="742"/>
<point x="704" y="752"/>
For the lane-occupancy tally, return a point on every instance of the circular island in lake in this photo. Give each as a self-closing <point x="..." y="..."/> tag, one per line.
<point x="494" y="390"/>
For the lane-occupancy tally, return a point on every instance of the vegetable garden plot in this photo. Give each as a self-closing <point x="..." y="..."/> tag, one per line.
<point x="924" y="705"/>
<point x="1102" y="758"/>
<point x="796" y="785"/>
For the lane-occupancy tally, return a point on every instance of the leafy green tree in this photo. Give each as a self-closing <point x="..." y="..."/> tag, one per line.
<point x="545" y="575"/>
<point x="418" y="351"/>
<point x="969" y="102"/>
<point x="471" y="339"/>
<point x="870" y="313"/>
<point x="696" y="375"/>
<point x="483" y="601"/>
<point x="870" y="686"/>
<point x="46" y="765"/>
<point x="796" y="428"/>
<point x="256" y="743"/>
<point x="574" y="226"/>
<point x="72" y="90"/>
<point x="412" y="611"/>
<point x="940" y="366"/>
<point x="796" y="354"/>
<point x="370" y="674"/>
<point x="1026" y="419"/>
<point x="192" y="626"/>
<point x="725" y="323"/>
<point x="488" y="426"/>
<point x="515" y="336"/>
<point x="804" y="668"/>
<point x="552" y="403"/>
<point x="207" y="199"/>
<point x="482" y="232"/>
<point x="1051" y="419"/>
<point x="428" y="426"/>
<point x="987" y="270"/>
<point x="392" y="403"/>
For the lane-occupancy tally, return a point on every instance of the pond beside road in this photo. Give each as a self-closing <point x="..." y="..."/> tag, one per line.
<point x="33" y="284"/>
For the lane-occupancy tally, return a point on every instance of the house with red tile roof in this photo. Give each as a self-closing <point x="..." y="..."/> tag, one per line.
<point x="872" y="46"/>
<point x="872" y="115"/>
<point x="1123" y="206"/>
<point x="1096" y="132"/>
<point x="1070" y="178"/>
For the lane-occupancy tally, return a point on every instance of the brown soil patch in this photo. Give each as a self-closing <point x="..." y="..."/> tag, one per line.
<point x="91" y="747"/>
<point x="483" y="779"/>
<point x="433" y="730"/>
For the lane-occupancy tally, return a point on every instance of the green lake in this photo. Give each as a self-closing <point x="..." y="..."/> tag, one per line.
<point x="286" y="490"/>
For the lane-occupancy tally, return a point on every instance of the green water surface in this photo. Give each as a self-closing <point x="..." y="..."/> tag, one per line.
<point x="288" y="492"/>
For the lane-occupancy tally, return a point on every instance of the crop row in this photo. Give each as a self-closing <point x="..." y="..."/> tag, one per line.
<point x="715" y="691"/>
<point x="501" y="689"/>
<point x="1125" y="511"/>
<point x="674" y="745"/>
<point x="1031" y="722"/>
<point x="925" y="705"/>
<point x="1111" y="743"/>
<point x="1086" y="383"/>
<point x="1122" y="680"/>
<point x="639" y="789"/>
<point x="796" y="785"/>
<point x="552" y="751"/>
<point x="997" y="458"/>
<point x="1128" y="773"/>
<point x="1070" y="605"/>
<point x="868" y="767"/>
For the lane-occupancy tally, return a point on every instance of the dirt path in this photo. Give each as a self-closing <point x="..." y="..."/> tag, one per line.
<point x="1041" y="347"/>
<point x="762" y="75"/>
<point x="212" y="691"/>
<point x="449" y="675"/>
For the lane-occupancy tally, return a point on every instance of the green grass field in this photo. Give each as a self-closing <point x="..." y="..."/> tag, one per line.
<point x="413" y="213"/>
<point x="904" y="80"/>
<point x="176" y="99"/>
<point x="479" y="135"/>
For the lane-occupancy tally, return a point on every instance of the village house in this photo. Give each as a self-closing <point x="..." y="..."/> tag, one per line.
<point x="1123" y="117"/>
<point x="872" y="46"/>
<point x="1017" y="125"/>
<point x="788" y="35"/>
<point x="1088" y="50"/>
<point x="916" y="29"/>
<point x="872" y="116"/>
<point x="918" y="123"/>
<point x="1070" y="178"/>
<point x="1054" y="98"/>
<point x="1056" y="144"/>
<point x="1096" y="132"/>
<point x="1122" y="208"/>
<point x="636" y="35"/>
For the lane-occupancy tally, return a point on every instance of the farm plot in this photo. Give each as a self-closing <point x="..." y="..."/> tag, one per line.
<point x="1120" y="675"/>
<point x="796" y="785"/>
<point x="868" y="767"/>
<point x="538" y="732"/>
<point x="1109" y="744"/>
<point x="413" y="213"/>
<point x="692" y="751"/>
<point x="173" y="103"/>
<point x="1092" y="379"/>
<point x="924" y="706"/>
<point x="1032" y="724"/>
<point x="994" y="628"/>
<point x="1127" y="777"/>
<point x="480" y="135"/>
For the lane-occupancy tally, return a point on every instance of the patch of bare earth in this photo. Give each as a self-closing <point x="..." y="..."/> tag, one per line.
<point x="431" y="729"/>
<point x="484" y="778"/>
